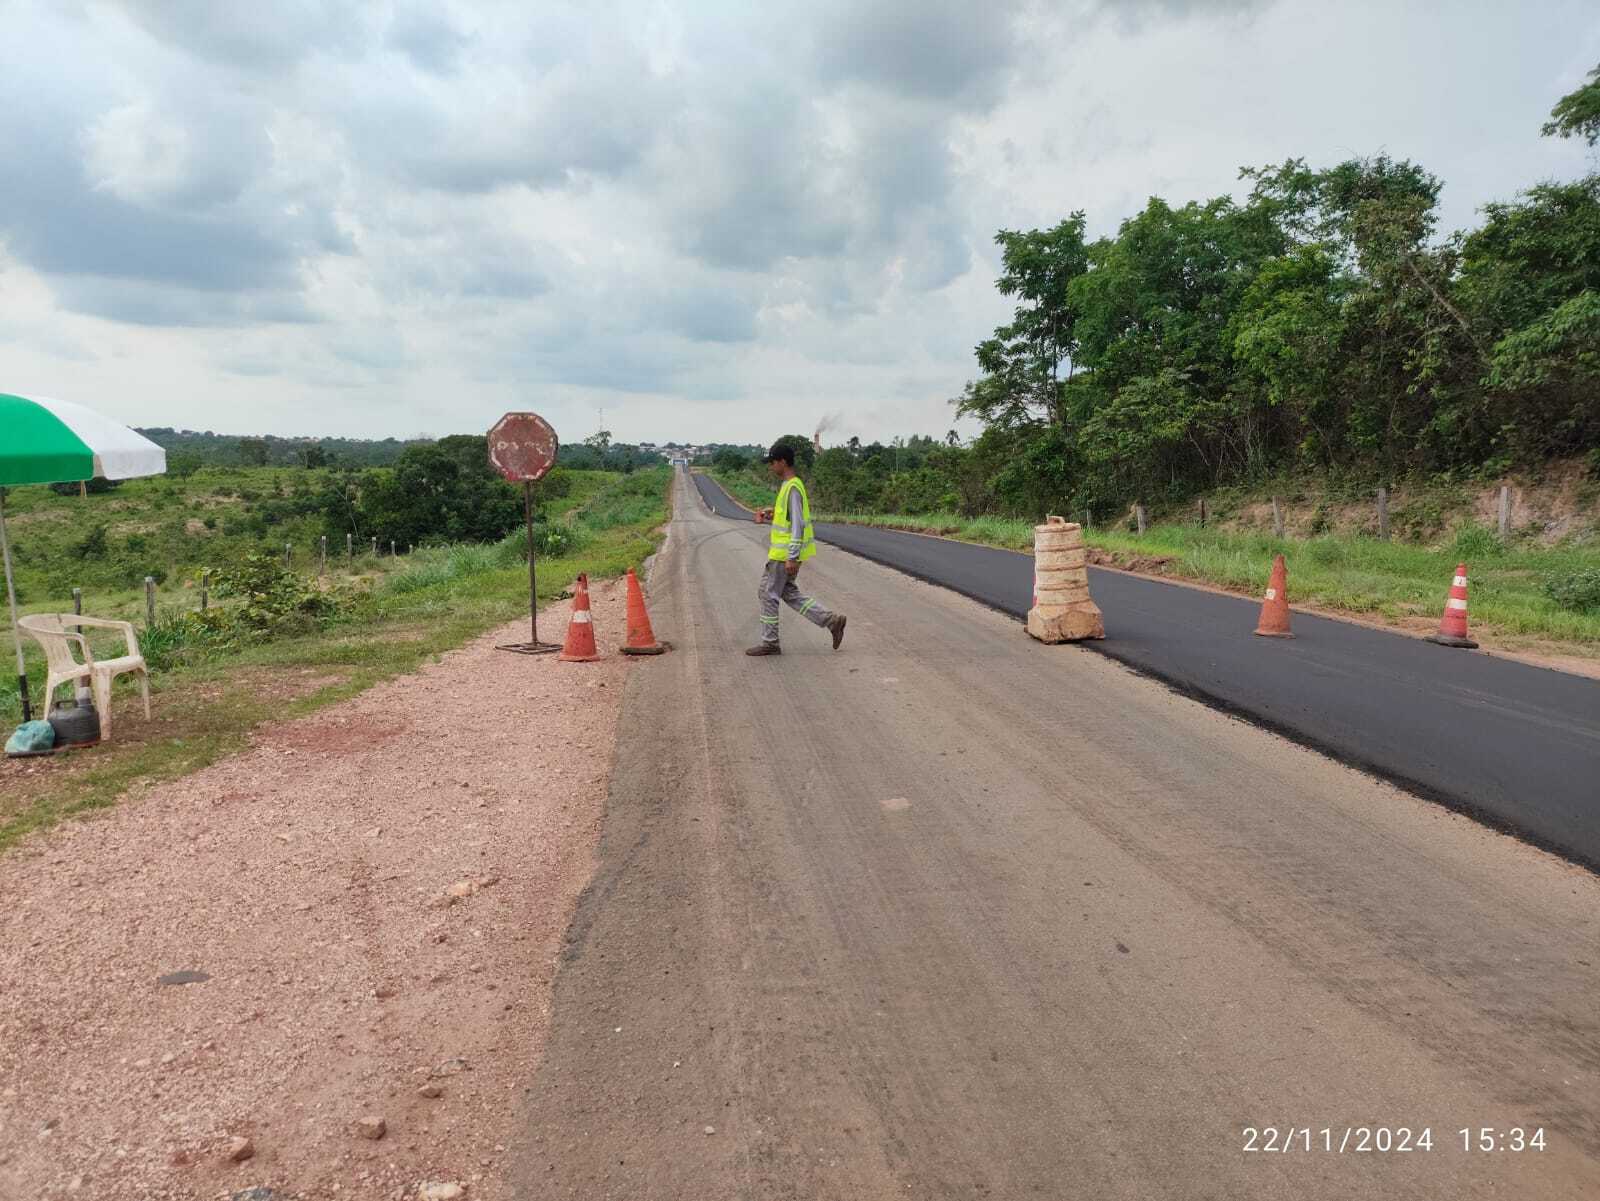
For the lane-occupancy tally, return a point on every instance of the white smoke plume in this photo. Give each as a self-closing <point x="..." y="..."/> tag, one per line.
<point x="827" y="423"/>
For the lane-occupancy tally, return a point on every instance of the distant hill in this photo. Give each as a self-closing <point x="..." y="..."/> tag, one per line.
<point x="188" y="450"/>
<point x="206" y="449"/>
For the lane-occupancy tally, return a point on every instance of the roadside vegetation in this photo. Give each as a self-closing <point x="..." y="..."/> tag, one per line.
<point x="1314" y="340"/>
<point x="279" y="642"/>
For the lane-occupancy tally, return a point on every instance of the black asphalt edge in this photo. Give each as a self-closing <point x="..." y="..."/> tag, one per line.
<point x="1300" y="737"/>
<point x="726" y="495"/>
<point x="1230" y="708"/>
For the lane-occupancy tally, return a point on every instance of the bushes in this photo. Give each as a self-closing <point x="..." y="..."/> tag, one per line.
<point x="627" y="500"/>
<point x="1577" y="591"/>
<point x="1474" y="541"/>
<point x="442" y="492"/>
<point x="187" y="638"/>
<point x="267" y="600"/>
<point x="93" y="487"/>
<point x="271" y="597"/>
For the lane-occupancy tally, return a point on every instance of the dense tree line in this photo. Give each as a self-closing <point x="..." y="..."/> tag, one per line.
<point x="443" y="491"/>
<point x="598" y="452"/>
<point x="1321" y="321"/>
<point x="908" y="475"/>
<point x="189" y="450"/>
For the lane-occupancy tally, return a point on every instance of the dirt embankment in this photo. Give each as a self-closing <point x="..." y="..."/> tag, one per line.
<point x="367" y="907"/>
<point x="1560" y="501"/>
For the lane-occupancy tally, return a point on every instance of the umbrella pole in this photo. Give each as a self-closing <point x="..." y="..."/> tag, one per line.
<point x="11" y="599"/>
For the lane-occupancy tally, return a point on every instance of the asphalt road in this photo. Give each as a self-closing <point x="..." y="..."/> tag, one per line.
<point x="950" y="914"/>
<point x="1516" y="746"/>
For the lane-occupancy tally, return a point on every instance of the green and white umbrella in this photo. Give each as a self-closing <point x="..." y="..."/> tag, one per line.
<point x="54" y="442"/>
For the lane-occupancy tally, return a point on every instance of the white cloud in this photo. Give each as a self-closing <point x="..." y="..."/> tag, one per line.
<point x="714" y="220"/>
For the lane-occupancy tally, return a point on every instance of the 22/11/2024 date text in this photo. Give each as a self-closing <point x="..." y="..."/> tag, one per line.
<point x="1381" y="1139"/>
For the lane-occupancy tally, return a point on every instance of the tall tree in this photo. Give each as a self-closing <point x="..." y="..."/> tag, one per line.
<point x="1577" y="114"/>
<point x="1025" y="359"/>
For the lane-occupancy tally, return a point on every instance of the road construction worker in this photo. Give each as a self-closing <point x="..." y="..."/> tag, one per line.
<point x="792" y="543"/>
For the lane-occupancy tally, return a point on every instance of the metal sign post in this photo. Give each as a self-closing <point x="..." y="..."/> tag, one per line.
<point x="522" y="448"/>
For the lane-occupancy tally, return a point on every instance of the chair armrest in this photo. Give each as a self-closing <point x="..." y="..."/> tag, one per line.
<point x="83" y="647"/>
<point x="101" y="623"/>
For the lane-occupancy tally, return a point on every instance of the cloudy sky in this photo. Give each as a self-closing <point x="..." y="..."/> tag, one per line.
<point x="711" y="220"/>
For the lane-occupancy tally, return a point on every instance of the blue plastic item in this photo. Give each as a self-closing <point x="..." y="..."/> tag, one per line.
<point x="31" y="738"/>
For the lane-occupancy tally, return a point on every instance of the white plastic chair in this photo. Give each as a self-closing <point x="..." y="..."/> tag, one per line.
<point x="50" y="630"/>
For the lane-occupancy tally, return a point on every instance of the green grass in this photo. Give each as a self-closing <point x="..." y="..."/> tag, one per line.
<point x="1388" y="580"/>
<point x="1011" y="533"/>
<point x="411" y="610"/>
<point x="745" y="487"/>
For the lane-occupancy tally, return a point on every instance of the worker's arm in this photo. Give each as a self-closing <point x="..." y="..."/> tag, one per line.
<point x="797" y="529"/>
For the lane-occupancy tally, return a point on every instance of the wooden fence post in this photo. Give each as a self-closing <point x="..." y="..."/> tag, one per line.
<point x="1383" y="514"/>
<point x="149" y="601"/>
<point x="1139" y="518"/>
<point x="1277" y="518"/>
<point x="77" y="602"/>
<point x="205" y="589"/>
<point x="374" y="548"/>
<point x="286" y="554"/>
<point x="391" y="548"/>
<point x="1505" y="510"/>
<point x="1202" y="507"/>
<point x="323" y="570"/>
<point x="349" y="550"/>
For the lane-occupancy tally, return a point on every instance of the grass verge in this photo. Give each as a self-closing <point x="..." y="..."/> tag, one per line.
<point x="440" y="599"/>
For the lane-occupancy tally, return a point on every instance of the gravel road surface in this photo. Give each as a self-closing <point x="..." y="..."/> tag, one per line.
<point x="948" y="913"/>
<point x="373" y="897"/>
<point x="1514" y="745"/>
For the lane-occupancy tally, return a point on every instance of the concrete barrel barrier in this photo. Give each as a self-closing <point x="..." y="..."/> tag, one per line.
<point x="1062" y="608"/>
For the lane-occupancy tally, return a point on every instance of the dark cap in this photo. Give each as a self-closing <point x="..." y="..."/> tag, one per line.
<point x="780" y="450"/>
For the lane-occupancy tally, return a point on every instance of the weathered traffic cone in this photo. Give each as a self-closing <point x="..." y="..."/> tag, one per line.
<point x="1062" y="608"/>
<point x="1274" y="621"/>
<point x="1453" y="625"/>
<point x="579" y="647"/>
<point x="641" y="638"/>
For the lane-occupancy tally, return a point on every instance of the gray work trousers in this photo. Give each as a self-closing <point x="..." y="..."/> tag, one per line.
<point x="777" y="586"/>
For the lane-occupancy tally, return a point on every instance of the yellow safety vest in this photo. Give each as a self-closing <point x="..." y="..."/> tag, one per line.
<point x="780" y="523"/>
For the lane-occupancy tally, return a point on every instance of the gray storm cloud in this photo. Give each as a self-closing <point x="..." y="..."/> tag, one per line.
<point x="690" y="201"/>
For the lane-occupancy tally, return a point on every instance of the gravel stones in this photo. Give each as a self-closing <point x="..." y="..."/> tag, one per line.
<point x="288" y="1041"/>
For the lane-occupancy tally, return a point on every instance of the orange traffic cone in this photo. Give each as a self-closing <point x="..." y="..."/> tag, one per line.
<point x="1274" y="621"/>
<point x="1453" y="625"/>
<point x="580" y="646"/>
<point x="641" y="638"/>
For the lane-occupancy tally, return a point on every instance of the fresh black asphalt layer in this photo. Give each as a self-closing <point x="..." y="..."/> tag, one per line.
<point x="1516" y="746"/>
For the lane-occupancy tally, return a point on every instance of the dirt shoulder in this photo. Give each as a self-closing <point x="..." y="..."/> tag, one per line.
<point x="376" y="893"/>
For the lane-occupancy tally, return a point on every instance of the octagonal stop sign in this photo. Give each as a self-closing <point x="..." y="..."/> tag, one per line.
<point x="522" y="447"/>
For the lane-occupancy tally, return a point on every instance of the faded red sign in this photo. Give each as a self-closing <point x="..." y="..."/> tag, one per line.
<point x="522" y="447"/>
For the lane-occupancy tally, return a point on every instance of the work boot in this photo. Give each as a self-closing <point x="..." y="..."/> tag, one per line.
<point x="766" y="648"/>
<point x="836" y="628"/>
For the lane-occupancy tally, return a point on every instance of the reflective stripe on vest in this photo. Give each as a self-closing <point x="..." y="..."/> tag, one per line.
<point x="780" y="529"/>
